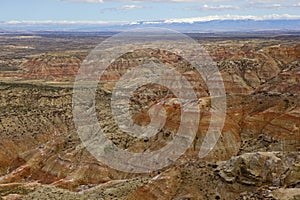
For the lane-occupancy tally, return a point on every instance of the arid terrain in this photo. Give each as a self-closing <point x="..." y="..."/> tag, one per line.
<point x="257" y="156"/>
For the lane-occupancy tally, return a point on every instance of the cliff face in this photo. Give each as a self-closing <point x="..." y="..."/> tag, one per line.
<point x="257" y="157"/>
<point x="61" y="66"/>
<point x="52" y="66"/>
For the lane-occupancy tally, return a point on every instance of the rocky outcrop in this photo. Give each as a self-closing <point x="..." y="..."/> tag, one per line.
<point x="263" y="168"/>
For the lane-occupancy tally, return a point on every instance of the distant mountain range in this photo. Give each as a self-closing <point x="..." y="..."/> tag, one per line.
<point x="211" y="26"/>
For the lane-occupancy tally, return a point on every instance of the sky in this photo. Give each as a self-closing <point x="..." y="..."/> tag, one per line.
<point x="150" y="10"/>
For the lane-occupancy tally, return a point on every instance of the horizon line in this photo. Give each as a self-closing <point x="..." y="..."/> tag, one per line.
<point x="162" y="21"/>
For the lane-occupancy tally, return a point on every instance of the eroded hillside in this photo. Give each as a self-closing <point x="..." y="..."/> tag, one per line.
<point x="257" y="156"/>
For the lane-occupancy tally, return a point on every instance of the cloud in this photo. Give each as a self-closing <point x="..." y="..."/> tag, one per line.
<point x="168" y="21"/>
<point x="278" y="6"/>
<point x="130" y="7"/>
<point x="215" y="8"/>
<point x="122" y="8"/>
<point x="61" y="22"/>
<point x="232" y="17"/>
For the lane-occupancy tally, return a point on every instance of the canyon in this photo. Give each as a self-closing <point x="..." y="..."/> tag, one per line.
<point x="256" y="157"/>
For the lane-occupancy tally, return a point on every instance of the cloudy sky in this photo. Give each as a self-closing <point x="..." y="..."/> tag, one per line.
<point x="147" y="10"/>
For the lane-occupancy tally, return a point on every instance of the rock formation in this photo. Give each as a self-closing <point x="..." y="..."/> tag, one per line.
<point x="257" y="156"/>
